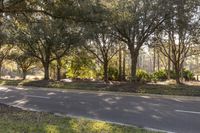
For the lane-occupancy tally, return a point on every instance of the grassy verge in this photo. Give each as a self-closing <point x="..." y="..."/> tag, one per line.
<point x="181" y="90"/>
<point x="14" y="120"/>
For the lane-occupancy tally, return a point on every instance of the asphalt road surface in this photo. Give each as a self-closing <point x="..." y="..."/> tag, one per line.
<point x="171" y="114"/>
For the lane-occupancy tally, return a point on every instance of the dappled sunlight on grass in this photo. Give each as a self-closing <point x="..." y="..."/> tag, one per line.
<point x="99" y="127"/>
<point x="52" y="129"/>
<point x="74" y="125"/>
<point x="182" y="90"/>
<point x="14" y="120"/>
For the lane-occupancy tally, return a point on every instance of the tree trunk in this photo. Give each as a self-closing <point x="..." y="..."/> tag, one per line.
<point x="24" y="74"/>
<point x="0" y="70"/>
<point x="53" y="72"/>
<point x="58" y="69"/>
<point x="134" y="57"/>
<point x="182" y="78"/>
<point x="169" y="61"/>
<point x="105" y="67"/>
<point x="58" y="73"/>
<point x="169" y="67"/>
<point x="197" y="61"/>
<point x="46" y="71"/>
<point x="182" y="71"/>
<point x="158" y="61"/>
<point x="120" y="64"/>
<point x="177" y="71"/>
<point x="178" y="78"/>
<point x="124" y="66"/>
<point x="154" y="59"/>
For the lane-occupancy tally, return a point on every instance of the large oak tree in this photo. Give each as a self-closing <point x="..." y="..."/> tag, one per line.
<point x="46" y="39"/>
<point x="178" y="33"/>
<point x="134" y="22"/>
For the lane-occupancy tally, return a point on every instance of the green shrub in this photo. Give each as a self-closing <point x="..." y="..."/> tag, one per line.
<point x="81" y="67"/>
<point x="188" y="75"/>
<point x="160" y="75"/>
<point x="112" y="73"/>
<point x="153" y="78"/>
<point x="143" y="76"/>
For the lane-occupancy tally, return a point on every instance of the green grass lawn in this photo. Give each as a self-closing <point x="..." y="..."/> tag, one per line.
<point x="14" y="120"/>
<point x="181" y="90"/>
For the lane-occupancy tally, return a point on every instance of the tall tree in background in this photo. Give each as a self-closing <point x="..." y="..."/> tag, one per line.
<point x="45" y="39"/>
<point x="179" y="32"/>
<point x="35" y="41"/>
<point x="134" y="22"/>
<point x="4" y="48"/>
<point x="23" y="61"/>
<point x="37" y="33"/>
<point x="65" y="38"/>
<point x="120" y="63"/>
<point x="102" y="45"/>
<point x="4" y="53"/>
<point x="124" y="64"/>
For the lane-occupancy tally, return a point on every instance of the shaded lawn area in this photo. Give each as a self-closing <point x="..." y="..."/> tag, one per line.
<point x="14" y="120"/>
<point x="180" y="90"/>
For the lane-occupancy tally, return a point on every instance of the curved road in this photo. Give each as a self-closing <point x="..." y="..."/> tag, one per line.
<point x="165" y="113"/>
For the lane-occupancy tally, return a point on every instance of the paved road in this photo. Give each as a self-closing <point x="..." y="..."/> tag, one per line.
<point x="180" y="114"/>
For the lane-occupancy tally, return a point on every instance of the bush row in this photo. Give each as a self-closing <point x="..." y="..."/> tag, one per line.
<point x="161" y="75"/>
